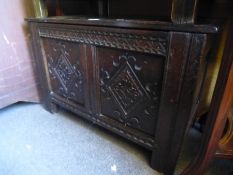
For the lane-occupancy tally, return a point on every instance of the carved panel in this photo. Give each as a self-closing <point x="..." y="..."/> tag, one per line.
<point x="126" y="89"/>
<point x="130" y="85"/>
<point x="155" y="43"/>
<point x="65" y="69"/>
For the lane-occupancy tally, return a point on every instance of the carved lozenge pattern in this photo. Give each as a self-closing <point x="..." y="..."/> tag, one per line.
<point x="126" y="89"/>
<point x="125" y="96"/>
<point x="66" y="77"/>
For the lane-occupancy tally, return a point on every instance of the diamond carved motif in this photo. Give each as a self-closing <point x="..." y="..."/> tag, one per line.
<point x="67" y="74"/>
<point x="126" y="89"/>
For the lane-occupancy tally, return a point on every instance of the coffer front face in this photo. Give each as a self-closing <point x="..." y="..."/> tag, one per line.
<point x="130" y="87"/>
<point x="115" y="74"/>
<point x="65" y="65"/>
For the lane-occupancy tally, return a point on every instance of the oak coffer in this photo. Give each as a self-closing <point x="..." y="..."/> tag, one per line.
<point x="139" y="79"/>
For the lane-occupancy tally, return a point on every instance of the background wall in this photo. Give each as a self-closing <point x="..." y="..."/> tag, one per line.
<point x="17" y="79"/>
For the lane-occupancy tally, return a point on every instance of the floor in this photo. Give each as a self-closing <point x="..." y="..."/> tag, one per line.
<point x="35" y="142"/>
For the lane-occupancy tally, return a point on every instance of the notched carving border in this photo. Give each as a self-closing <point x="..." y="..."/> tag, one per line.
<point x="133" y="42"/>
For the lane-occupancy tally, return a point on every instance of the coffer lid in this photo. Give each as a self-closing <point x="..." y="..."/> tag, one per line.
<point x="129" y="23"/>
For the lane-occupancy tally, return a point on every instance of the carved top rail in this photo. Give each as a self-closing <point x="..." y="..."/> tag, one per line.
<point x="155" y="43"/>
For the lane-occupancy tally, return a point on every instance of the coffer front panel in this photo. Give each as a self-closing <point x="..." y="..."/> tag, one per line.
<point x="130" y="85"/>
<point x="65" y="64"/>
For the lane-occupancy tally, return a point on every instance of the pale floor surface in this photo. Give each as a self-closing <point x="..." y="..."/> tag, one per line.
<point x="35" y="142"/>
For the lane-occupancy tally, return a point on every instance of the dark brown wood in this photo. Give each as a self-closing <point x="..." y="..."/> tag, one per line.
<point x="103" y="8"/>
<point x="75" y="7"/>
<point x="221" y="102"/>
<point x="148" y="9"/>
<point x="179" y="98"/>
<point x="41" y="70"/>
<point x="130" y="85"/>
<point x="183" y="11"/>
<point x="130" y="24"/>
<point x="140" y="83"/>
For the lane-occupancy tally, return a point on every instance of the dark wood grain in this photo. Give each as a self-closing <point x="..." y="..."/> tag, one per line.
<point x="183" y="11"/>
<point x="221" y="102"/>
<point x="179" y="98"/>
<point x="130" y="85"/>
<point x="127" y="23"/>
<point x="141" y="84"/>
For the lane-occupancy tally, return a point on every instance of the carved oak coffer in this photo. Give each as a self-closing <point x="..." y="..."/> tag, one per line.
<point x="138" y="79"/>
